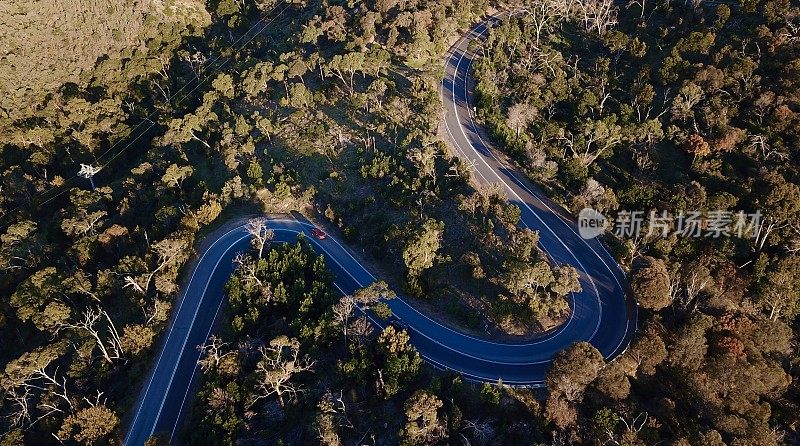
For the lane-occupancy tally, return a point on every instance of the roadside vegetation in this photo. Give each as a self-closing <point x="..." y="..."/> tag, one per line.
<point x="669" y="107"/>
<point x="193" y="112"/>
<point x="295" y="363"/>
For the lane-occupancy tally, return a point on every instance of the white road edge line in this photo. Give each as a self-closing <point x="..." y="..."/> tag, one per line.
<point x="512" y="191"/>
<point x="304" y="225"/>
<point x="169" y="333"/>
<point x="558" y="215"/>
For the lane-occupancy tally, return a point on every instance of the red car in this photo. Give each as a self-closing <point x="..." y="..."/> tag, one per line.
<point x="318" y="234"/>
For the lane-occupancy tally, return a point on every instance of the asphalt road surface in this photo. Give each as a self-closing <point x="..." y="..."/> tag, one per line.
<point x="601" y="313"/>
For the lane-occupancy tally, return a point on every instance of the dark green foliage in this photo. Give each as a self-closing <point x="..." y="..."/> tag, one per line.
<point x="336" y="105"/>
<point x="288" y="292"/>
<point x="677" y="108"/>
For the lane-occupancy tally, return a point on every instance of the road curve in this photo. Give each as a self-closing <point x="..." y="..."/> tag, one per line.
<point x="600" y="313"/>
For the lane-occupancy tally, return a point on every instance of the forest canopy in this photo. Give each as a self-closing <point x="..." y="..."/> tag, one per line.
<point x="198" y="113"/>
<point x="49" y="44"/>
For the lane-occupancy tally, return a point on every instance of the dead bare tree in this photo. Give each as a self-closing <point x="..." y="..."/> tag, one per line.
<point x="130" y="282"/>
<point x="166" y="251"/>
<point x="760" y="144"/>
<point x="762" y="233"/>
<point x="481" y="430"/>
<point x="674" y="288"/>
<point x="519" y="115"/>
<point x="28" y="374"/>
<point x="545" y="14"/>
<point x="342" y="311"/>
<point x="280" y="361"/>
<point x="641" y="4"/>
<point x="793" y="246"/>
<point x="55" y="388"/>
<point x="695" y="283"/>
<point x="110" y="346"/>
<point x="633" y="426"/>
<point x="686" y="286"/>
<point x="360" y="330"/>
<point x="248" y="269"/>
<point x="597" y="15"/>
<point x="19" y="399"/>
<point x="213" y="352"/>
<point x="159" y="307"/>
<point x="261" y="234"/>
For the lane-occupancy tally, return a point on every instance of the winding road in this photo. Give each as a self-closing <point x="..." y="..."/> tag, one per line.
<point x="601" y="313"/>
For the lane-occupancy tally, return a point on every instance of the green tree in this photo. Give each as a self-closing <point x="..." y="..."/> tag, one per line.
<point x="574" y="368"/>
<point x="325" y="422"/>
<point x="523" y="244"/>
<point x="89" y="426"/>
<point x="174" y="175"/>
<point x="420" y="253"/>
<point x="566" y="281"/>
<point x="524" y="279"/>
<point x="19" y="246"/>
<point x="690" y="346"/>
<point x="650" y="283"/>
<point x="570" y="373"/>
<point x="779" y="295"/>
<point x="781" y="207"/>
<point x="400" y="360"/>
<point x="137" y="338"/>
<point x="423" y="425"/>
<point x="613" y="382"/>
<point x="37" y="299"/>
<point x="649" y="350"/>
